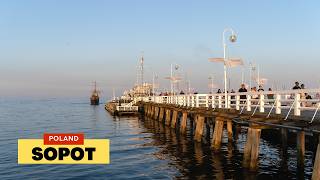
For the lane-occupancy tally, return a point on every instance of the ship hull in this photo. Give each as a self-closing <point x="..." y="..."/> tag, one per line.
<point x="94" y="101"/>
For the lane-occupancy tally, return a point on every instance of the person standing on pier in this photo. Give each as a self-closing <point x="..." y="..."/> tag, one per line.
<point x="243" y="89"/>
<point x="260" y="88"/>
<point x="296" y="85"/>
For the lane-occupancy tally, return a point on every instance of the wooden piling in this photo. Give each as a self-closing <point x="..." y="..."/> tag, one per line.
<point x="174" y="119"/>
<point x="199" y="128"/>
<point x="229" y="128"/>
<point x="300" y="149"/>
<point x="217" y="133"/>
<point x="161" y="114"/>
<point x="247" y="150"/>
<point x="156" y="113"/>
<point x="152" y="111"/>
<point x="168" y="116"/>
<point x="316" y="165"/>
<point x="255" y="149"/>
<point x="183" y="123"/>
<point x="251" y="150"/>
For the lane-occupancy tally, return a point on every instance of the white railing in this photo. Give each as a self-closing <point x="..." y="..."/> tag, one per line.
<point x="274" y="101"/>
<point x="127" y="108"/>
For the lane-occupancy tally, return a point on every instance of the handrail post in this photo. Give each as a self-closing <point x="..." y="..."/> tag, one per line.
<point x="207" y="100"/>
<point x="297" y="104"/>
<point x="237" y="102"/>
<point x="213" y="101"/>
<point x="278" y="103"/>
<point x="248" y="102"/>
<point x="261" y="102"/>
<point x="197" y="100"/>
<point x="192" y="101"/>
<point x="219" y="101"/>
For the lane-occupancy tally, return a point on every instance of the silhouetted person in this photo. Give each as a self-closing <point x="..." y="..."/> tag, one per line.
<point x="219" y="91"/>
<point x="296" y="86"/>
<point x="243" y="89"/>
<point x="270" y="96"/>
<point x="260" y="88"/>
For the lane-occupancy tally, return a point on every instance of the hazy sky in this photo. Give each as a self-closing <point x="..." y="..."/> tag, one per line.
<point x="57" y="48"/>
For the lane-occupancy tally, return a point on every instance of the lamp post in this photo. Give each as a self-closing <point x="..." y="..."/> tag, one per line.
<point x="211" y="85"/>
<point x="232" y="39"/>
<point x="154" y="76"/>
<point x="173" y="77"/>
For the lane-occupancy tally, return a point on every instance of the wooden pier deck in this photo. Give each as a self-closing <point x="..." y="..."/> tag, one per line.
<point x="202" y="115"/>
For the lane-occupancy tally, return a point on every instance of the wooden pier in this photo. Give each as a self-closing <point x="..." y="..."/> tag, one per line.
<point x="207" y="113"/>
<point x="121" y="110"/>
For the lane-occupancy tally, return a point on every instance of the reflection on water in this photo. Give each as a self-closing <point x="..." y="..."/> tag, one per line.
<point x="197" y="160"/>
<point x="140" y="148"/>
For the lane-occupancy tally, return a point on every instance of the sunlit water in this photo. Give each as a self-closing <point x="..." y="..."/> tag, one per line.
<point x="140" y="148"/>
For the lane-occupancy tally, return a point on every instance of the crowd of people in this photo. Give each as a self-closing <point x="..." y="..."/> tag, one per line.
<point x="242" y="89"/>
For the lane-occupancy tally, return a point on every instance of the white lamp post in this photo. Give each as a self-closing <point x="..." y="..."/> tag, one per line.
<point x="227" y="62"/>
<point x="211" y="85"/>
<point x="173" y="78"/>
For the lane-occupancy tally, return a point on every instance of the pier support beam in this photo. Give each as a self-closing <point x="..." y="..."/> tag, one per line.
<point x="217" y="133"/>
<point x="251" y="150"/>
<point x="168" y="117"/>
<point x="161" y="114"/>
<point x="174" y="119"/>
<point x="156" y="113"/>
<point x="183" y="123"/>
<point x="300" y="149"/>
<point x="229" y="128"/>
<point x="152" y="111"/>
<point x="316" y="165"/>
<point x="199" y="128"/>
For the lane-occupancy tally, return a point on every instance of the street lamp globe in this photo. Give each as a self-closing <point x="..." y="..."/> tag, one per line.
<point x="233" y="38"/>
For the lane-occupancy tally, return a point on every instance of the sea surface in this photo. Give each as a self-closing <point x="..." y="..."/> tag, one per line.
<point x="140" y="148"/>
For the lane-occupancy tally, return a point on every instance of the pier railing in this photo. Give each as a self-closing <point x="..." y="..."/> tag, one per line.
<point x="127" y="108"/>
<point x="293" y="101"/>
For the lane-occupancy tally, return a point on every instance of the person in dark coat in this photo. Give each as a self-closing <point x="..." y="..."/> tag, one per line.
<point x="296" y="86"/>
<point x="243" y="89"/>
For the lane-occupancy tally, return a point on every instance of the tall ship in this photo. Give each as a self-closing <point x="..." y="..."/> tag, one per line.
<point x="94" y="99"/>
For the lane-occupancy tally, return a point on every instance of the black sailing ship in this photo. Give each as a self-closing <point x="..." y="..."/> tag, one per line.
<point x="94" y="99"/>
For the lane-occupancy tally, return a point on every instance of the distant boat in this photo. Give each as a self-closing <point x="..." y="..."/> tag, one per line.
<point x="94" y="99"/>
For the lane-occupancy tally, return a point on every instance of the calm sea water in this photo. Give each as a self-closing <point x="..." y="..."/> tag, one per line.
<point x="140" y="148"/>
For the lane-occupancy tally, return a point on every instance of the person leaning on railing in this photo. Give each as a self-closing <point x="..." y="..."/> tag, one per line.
<point x="243" y="89"/>
<point x="270" y="95"/>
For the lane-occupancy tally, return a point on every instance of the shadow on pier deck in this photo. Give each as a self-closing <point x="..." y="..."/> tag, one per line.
<point x="207" y="124"/>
